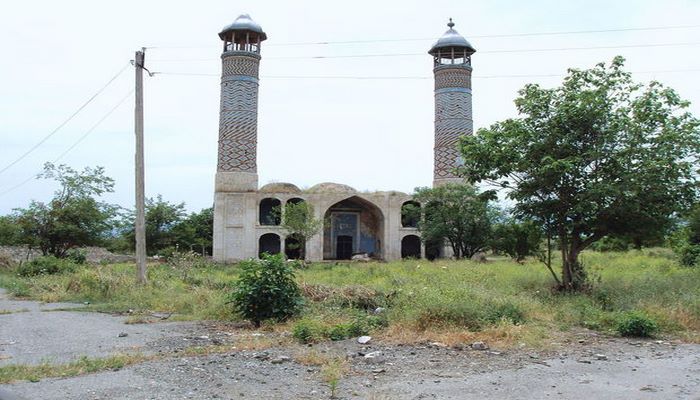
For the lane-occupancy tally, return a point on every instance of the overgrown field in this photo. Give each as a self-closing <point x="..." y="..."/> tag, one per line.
<point x="448" y="301"/>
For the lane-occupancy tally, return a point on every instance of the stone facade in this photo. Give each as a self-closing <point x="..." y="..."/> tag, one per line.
<point x="243" y="224"/>
<point x="354" y="222"/>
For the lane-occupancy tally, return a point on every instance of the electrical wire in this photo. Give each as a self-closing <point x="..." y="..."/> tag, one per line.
<point x="534" y="50"/>
<point x="42" y="141"/>
<point x="343" y="77"/>
<point x="76" y="143"/>
<point x="506" y="35"/>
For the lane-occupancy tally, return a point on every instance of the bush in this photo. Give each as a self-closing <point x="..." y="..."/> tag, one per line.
<point x="266" y="290"/>
<point x="505" y="311"/>
<point x="47" y="265"/>
<point x="77" y="256"/>
<point x="308" y="331"/>
<point x="636" y="324"/>
<point x="689" y="255"/>
<point x="312" y="330"/>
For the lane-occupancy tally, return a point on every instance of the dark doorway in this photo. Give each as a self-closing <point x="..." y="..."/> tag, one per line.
<point x="410" y="247"/>
<point x="433" y="249"/>
<point x="269" y="243"/>
<point x="343" y="250"/>
<point x="293" y="248"/>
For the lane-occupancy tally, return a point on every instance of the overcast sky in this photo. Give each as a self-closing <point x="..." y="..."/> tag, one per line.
<point x="372" y="134"/>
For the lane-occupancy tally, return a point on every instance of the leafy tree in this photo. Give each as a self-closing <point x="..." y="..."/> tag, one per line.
<point x="686" y="240"/>
<point x="196" y="231"/>
<point x="10" y="232"/>
<point x="455" y="214"/>
<point x="161" y="219"/>
<point x="73" y="218"/>
<point x="266" y="290"/>
<point x="298" y="221"/>
<point x="518" y="239"/>
<point x="599" y="155"/>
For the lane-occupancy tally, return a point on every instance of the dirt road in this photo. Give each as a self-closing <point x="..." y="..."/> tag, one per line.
<point x="588" y="366"/>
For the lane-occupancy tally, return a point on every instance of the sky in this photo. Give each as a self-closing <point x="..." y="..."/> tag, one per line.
<point x="362" y="121"/>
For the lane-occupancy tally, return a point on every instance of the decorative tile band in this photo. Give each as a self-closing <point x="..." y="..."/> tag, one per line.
<point x="238" y="113"/>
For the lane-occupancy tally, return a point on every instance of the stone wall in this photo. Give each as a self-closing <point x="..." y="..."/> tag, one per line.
<point x="93" y="254"/>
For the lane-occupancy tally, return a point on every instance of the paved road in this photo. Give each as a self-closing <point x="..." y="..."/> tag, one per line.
<point x="32" y="333"/>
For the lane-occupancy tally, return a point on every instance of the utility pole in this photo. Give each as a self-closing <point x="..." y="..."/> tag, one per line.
<point x="140" y="225"/>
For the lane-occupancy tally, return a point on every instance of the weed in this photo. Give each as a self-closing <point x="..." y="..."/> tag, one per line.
<point x="636" y="324"/>
<point x="84" y="365"/>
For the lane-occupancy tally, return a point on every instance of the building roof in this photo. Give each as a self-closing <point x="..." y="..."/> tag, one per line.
<point x="280" y="187"/>
<point x="330" y="187"/>
<point x="451" y="39"/>
<point x="243" y="24"/>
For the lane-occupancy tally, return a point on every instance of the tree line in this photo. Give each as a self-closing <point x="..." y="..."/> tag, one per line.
<point x="75" y="217"/>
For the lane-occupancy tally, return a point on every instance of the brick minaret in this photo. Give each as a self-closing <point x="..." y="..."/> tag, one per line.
<point x="237" y="169"/>
<point x="453" y="102"/>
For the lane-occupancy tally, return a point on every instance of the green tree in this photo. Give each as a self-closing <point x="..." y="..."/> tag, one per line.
<point x="455" y="214"/>
<point x="10" y="232"/>
<point x="73" y="217"/>
<point x="686" y="240"/>
<point x="518" y="239"/>
<point x="161" y="219"/>
<point x="196" y="232"/>
<point x="298" y="221"/>
<point x="599" y="155"/>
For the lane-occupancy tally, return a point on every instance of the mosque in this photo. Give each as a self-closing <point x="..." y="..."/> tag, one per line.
<point x="245" y="223"/>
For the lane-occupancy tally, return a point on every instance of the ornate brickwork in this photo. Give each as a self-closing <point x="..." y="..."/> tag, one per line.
<point x="447" y="159"/>
<point x="453" y="118"/>
<point x="238" y="114"/>
<point x="453" y="77"/>
<point x="240" y="65"/>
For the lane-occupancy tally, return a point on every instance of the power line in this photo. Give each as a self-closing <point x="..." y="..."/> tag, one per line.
<point x="533" y="50"/>
<point x="359" y="77"/>
<point x="66" y="121"/>
<point x="506" y="35"/>
<point x="76" y="143"/>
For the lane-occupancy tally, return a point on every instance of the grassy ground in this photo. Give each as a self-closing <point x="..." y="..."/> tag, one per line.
<point x="447" y="301"/>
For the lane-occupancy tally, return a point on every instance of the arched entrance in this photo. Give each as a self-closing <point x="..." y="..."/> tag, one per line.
<point x="353" y="226"/>
<point x="269" y="243"/>
<point x="410" y="246"/>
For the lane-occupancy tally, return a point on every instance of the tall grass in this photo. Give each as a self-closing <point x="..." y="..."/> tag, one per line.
<point x="501" y="300"/>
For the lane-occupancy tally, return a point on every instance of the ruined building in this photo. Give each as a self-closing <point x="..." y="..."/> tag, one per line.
<point x="245" y="224"/>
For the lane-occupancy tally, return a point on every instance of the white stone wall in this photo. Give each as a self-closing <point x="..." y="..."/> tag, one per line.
<point x="237" y="228"/>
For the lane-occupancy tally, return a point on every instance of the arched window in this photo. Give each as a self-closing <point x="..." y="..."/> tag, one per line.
<point x="268" y="243"/>
<point x="270" y="211"/>
<point x="410" y="214"/>
<point x="295" y="200"/>
<point x="410" y="247"/>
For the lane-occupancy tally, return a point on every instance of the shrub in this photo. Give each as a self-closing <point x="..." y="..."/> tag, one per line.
<point x="636" y="324"/>
<point x="266" y="290"/>
<point x="77" y="256"/>
<point x="689" y="254"/>
<point x="308" y="331"/>
<point x="505" y="311"/>
<point x="47" y="265"/>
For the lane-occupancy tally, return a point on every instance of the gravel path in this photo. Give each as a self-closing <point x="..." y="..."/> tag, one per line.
<point x="581" y="366"/>
<point x="32" y="333"/>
